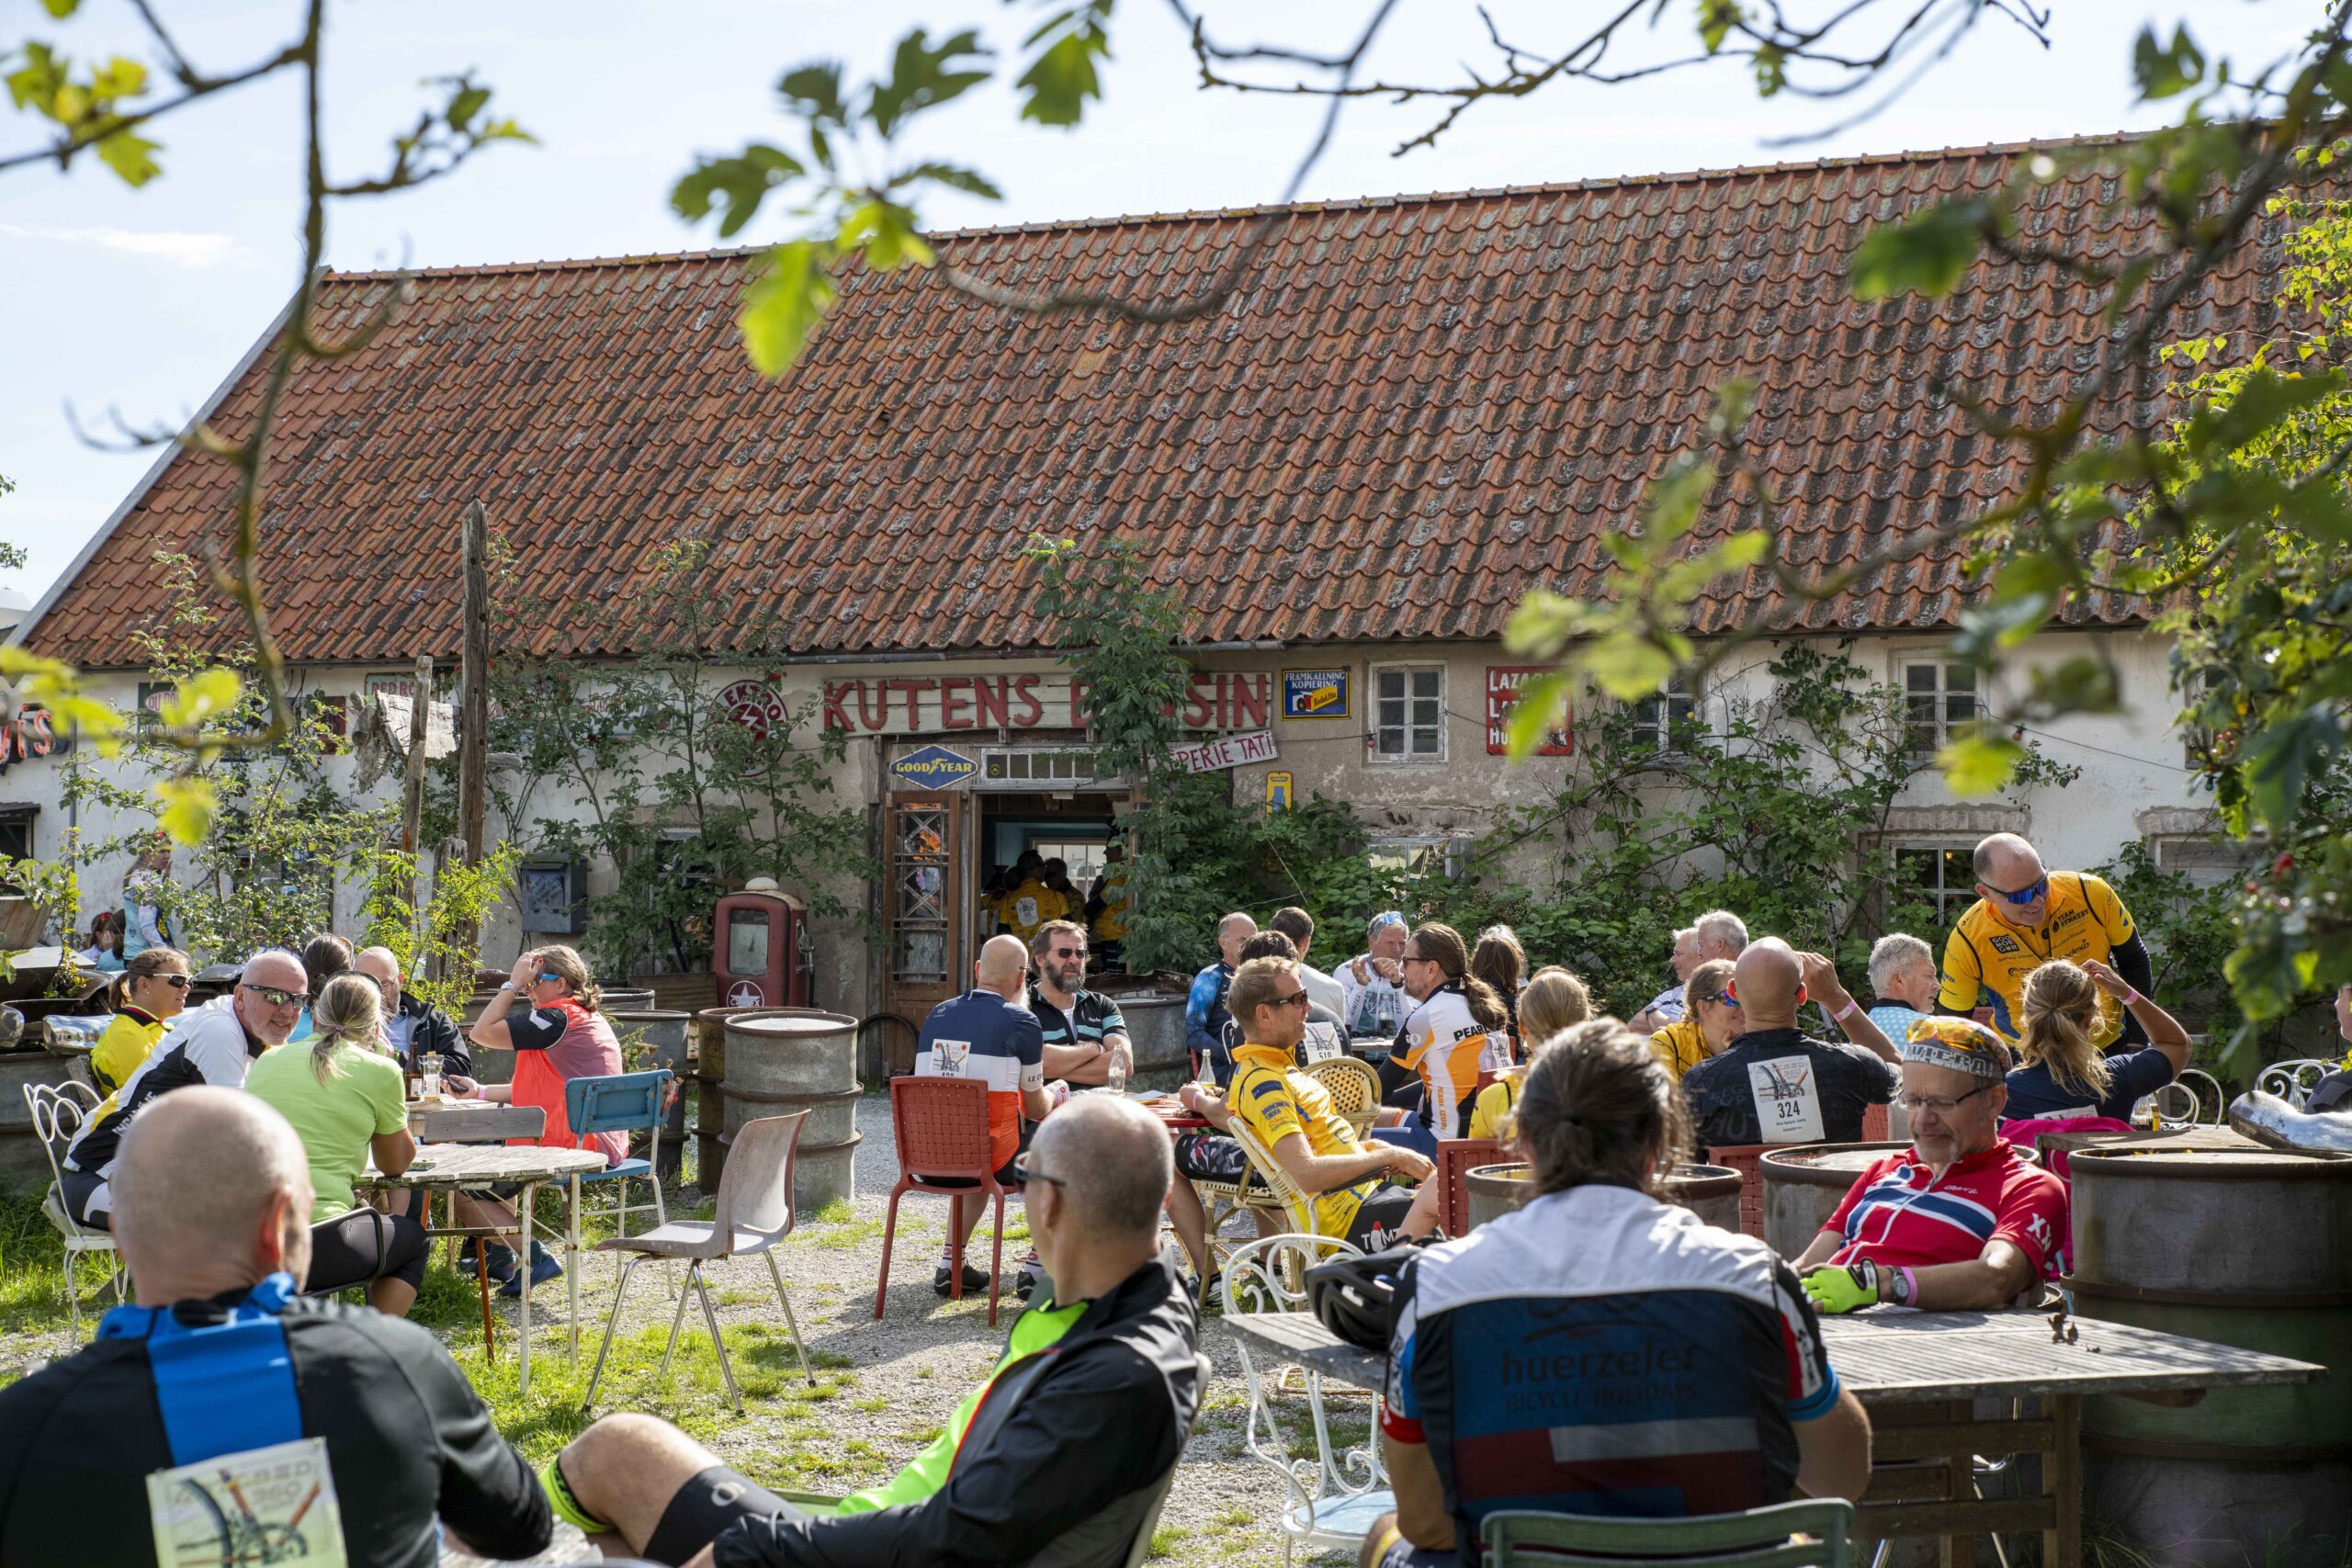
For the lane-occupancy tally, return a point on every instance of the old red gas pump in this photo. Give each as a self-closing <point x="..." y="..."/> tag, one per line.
<point x="761" y="957"/>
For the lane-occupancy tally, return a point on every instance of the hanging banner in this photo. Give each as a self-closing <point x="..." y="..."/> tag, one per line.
<point x="1226" y="751"/>
<point x="1503" y="681"/>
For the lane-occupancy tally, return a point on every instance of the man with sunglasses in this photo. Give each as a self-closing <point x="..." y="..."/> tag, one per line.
<point x="1957" y="1221"/>
<point x="213" y="1043"/>
<point x="2023" y="918"/>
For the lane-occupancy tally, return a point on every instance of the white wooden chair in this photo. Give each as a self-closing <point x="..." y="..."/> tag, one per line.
<point x="1334" y="1498"/>
<point x="58" y="1111"/>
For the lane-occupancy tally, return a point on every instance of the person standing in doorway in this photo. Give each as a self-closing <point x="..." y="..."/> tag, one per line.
<point x="1032" y="902"/>
<point x="1107" y="908"/>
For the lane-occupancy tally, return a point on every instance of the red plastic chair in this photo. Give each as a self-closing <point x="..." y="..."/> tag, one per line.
<point x="1456" y="1158"/>
<point x="1876" y="1128"/>
<point x="1746" y="1159"/>
<point x="941" y="1126"/>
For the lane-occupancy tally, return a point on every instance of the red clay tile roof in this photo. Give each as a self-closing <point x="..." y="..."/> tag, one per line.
<point x="1417" y="408"/>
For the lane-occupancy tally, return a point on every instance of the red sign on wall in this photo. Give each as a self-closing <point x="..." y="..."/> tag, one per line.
<point x="1503" y="681"/>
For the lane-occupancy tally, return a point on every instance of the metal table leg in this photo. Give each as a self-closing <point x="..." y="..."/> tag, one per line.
<point x="523" y="1272"/>
<point x="572" y="1266"/>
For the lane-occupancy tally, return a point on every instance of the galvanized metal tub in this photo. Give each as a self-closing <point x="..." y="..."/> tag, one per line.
<point x="2253" y="1249"/>
<point x="709" y="1031"/>
<point x="623" y="998"/>
<point x="1710" y="1191"/>
<point x="663" y="1033"/>
<point x="1156" y="1025"/>
<point x="780" y="1060"/>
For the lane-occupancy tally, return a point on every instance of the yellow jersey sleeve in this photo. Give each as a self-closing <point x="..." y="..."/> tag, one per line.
<point x="1262" y="1100"/>
<point x="1963" y="977"/>
<point x="1493" y="1109"/>
<point x="1680" y="1045"/>
<point x="2107" y="910"/>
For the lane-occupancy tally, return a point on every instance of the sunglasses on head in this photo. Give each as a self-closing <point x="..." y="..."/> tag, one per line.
<point x="546" y="977"/>
<point x="274" y="996"/>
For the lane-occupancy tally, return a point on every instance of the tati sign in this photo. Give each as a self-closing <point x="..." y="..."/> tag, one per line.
<point x="1226" y="751"/>
<point x="1503" y="681"/>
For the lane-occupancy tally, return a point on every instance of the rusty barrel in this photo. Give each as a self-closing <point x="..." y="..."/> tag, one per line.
<point x="2252" y="1249"/>
<point x="656" y="1038"/>
<point x="1710" y="1191"/>
<point x="780" y="1060"/>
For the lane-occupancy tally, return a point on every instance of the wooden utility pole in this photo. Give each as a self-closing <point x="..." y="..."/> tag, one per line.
<point x="473" y="724"/>
<point x="419" y="730"/>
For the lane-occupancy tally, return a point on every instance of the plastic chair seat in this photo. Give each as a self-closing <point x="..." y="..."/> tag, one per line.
<point x="627" y="1168"/>
<point x="691" y="1239"/>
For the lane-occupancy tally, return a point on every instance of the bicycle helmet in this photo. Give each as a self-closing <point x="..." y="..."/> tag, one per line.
<point x="1355" y="1298"/>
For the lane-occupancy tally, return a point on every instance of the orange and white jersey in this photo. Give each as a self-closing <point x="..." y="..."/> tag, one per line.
<point x="1444" y="1043"/>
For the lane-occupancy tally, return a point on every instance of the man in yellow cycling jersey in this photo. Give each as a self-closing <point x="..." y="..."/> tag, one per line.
<point x="2023" y="918"/>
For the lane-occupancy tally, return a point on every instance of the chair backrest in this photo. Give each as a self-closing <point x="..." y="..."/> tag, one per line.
<point x="1786" y="1535"/>
<point x="1270" y="1274"/>
<point x="1297" y="1206"/>
<point x="1878" y="1124"/>
<point x="57" y="1116"/>
<point x="1456" y="1157"/>
<point x="1746" y="1159"/>
<point x="755" y="1190"/>
<point x="1352" y="1086"/>
<point x="620" y="1102"/>
<point x="942" y="1127"/>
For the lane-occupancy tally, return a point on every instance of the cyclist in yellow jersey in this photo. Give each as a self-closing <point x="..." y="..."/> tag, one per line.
<point x="1711" y="1020"/>
<point x="1291" y="1116"/>
<point x="2023" y="918"/>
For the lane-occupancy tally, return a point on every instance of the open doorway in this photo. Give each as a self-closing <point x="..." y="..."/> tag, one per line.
<point x="1074" y="828"/>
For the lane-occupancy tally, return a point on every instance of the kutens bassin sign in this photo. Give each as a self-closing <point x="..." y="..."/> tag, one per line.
<point x="934" y="767"/>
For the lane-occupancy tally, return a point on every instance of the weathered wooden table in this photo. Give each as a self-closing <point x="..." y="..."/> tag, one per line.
<point x="474" y="1167"/>
<point x="1921" y="1375"/>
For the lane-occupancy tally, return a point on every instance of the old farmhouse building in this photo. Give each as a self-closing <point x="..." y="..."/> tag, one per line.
<point x="1412" y="412"/>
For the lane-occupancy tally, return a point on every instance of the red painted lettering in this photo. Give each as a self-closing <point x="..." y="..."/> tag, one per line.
<point x="1032" y="712"/>
<point x="955" y="702"/>
<point x="914" y="689"/>
<point x="836" y="709"/>
<point x="872" y="715"/>
<point x="1245" y="702"/>
<point x="1203" y="707"/>
<point x="989" y="691"/>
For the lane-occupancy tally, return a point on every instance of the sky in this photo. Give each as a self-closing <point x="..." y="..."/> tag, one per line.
<point x="140" y="302"/>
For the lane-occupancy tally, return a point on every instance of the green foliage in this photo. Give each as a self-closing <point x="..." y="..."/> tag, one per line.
<point x="2189" y="932"/>
<point x="439" y="947"/>
<point x="88" y="104"/>
<point x="666" y="785"/>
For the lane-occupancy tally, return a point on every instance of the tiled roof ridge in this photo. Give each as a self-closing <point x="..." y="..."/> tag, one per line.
<point x="1341" y="204"/>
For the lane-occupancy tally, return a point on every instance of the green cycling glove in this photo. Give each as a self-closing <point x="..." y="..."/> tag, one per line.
<point x="1842" y="1290"/>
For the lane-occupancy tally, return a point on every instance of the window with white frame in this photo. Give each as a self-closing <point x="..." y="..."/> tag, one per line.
<point x="1938" y="700"/>
<point x="2208" y="860"/>
<point x="1658" y="719"/>
<point x="1941" y="876"/>
<point x="1408" y="713"/>
<point x="1414" y="856"/>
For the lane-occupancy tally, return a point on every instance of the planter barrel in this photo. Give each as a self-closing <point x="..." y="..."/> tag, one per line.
<point x="664" y="1033"/>
<point x="1803" y="1185"/>
<point x="2253" y="1249"/>
<point x="780" y="1060"/>
<point x="1710" y="1191"/>
<point x="1156" y="1025"/>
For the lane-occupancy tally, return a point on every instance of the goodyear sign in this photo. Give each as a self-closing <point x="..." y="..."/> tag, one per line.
<point x="1317" y="694"/>
<point x="934" y="767"/>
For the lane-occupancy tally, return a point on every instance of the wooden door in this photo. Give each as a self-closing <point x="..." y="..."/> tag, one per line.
<point x="927" y="960"/>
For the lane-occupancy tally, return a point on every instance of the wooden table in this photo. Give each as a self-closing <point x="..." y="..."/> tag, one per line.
<point x="473" y="1167"/>
<point x="1921" y="1375"/>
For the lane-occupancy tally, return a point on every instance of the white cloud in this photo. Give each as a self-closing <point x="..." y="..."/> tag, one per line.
<point x="198" y="252"/>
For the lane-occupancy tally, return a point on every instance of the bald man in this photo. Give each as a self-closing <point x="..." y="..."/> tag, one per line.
<point x="210" y="1045"/>
<point x="220" y="1358"/>
<point x="1062" y="1451"/>
<point x="1773" y="1085"/>
<point x="411" y="1025"/>
<point x="2024" y="917"/>
<point x="1208" y="1025"/>
<point x="987" y="1034"/>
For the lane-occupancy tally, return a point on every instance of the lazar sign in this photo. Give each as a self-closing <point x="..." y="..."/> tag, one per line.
<point x="930" y="705"/>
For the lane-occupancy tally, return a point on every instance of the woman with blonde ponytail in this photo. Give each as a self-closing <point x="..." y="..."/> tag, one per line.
<point x="1456" y="1020"/>
<point x="345" y="1097"/>
<point x="2063" y="1073"/>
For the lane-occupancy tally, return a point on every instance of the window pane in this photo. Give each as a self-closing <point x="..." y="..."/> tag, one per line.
<point x="1392" y="711"/>
<point x="1960" y="708"/>
<point x="1959" y="677"/>
<point x="1426" y="712"/>
<point x="1392" y="684"/>
<point x="1426" y="683"/>
<point x="1425" y="742"/>
<point x="1392" y="742"/>
<point x="1919" y="678"/>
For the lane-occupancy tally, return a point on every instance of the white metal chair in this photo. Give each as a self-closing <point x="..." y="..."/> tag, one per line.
<point x="58" y="1111"/>
<point x="2293" y="1081"/>
<point x="1334" y="1498"/>
<point x="755" y="1212"/>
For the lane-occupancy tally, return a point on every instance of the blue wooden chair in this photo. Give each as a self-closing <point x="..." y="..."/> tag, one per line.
<point x="1786" y="1535"/>
<point x="625" y="1103"/>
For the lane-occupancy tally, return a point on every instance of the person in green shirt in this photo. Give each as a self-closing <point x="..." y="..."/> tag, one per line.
<point x="346" y="1100"/>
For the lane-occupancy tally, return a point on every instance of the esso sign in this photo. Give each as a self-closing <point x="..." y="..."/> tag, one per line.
<point x="746" y="994"/>
<point x="756" y="705"/>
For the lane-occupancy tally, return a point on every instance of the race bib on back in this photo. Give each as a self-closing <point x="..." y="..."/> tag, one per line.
<point x="272" y="1505"/>
<point x="1322" y="1043"/>
<point x="1788" y="1100"/>
<point x="948" y="1056"/>
<point x="1024" y="912"/>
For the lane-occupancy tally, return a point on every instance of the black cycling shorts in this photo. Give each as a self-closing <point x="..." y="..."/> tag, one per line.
<point x="703" y="1509"/>
<point x="87" y="1198"/>
<point x="1209" y="1157"/>
<point x="364" y="1246"/>
<point x="1374" y="1228"/>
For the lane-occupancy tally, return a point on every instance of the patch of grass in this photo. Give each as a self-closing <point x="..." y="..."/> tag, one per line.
<point x="872" y="1407"/>
<point x="1164" y="1539"/>
<point x="32" y="1272"/>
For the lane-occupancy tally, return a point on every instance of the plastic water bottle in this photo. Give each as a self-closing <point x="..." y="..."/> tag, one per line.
<point x="1114" y="1073"/>
<point x="428" y="1068"/>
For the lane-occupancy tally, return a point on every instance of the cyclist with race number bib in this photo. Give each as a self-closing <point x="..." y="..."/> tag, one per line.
<point x="224" y="1419"/>
<point x="1773" y="1085"/>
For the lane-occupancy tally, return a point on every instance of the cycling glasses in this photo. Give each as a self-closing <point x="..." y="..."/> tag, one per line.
<point x="1941" y="1104"/>
<point x="176" y="981"/>
<point x="2023" y="896"/>
<point x="1723" y="996"/>
<point x="545" y="977"/>
<point x="275" y="996"/>
<point x="1295" y="1000"/>
<point x="1023" y="1172"/>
